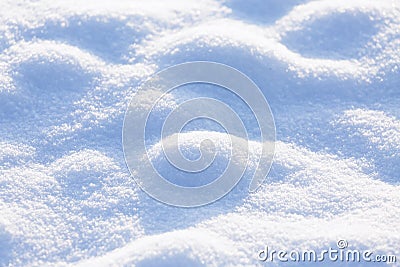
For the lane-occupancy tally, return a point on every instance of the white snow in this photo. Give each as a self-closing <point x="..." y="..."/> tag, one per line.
<point x="329" y="69"/>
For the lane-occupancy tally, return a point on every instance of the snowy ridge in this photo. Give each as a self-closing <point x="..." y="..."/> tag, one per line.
<point x="329" y="69"/>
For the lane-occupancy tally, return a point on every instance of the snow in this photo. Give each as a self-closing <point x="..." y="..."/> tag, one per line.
<point x="68" y="69"/>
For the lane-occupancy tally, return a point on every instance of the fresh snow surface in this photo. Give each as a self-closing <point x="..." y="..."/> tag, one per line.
<point x="68" y="69"/>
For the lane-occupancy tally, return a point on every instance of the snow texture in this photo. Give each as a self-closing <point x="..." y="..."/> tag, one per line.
<point x="68" y="69"/>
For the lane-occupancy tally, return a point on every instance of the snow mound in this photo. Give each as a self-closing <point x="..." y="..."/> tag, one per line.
<point x="329" y="70"/>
